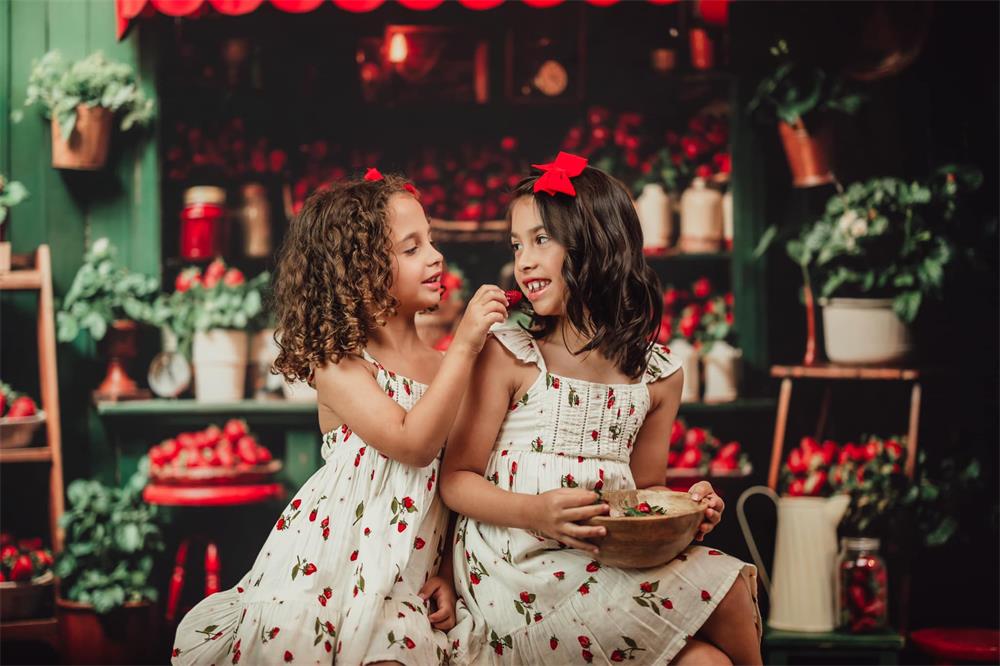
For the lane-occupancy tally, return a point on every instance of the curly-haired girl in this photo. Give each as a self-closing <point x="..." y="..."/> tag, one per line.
<point x="349" y="572"/>
<point x="582" y="401"/>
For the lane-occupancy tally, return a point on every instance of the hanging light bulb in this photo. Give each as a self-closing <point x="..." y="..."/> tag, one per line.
<point x="397" y="48"/>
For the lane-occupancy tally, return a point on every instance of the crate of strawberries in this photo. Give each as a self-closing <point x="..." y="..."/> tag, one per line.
<point x="27" y="583"/>
<point x="19" y="418"/>
<point x="696" y="454"/>
<point x="213" y="456"/>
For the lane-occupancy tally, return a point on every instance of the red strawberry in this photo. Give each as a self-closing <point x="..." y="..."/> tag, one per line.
<point x="418" y="543"/>
<point x="329" y="627"/>
<point x="21" y="569"/>
<point x="326" y="533"/>
<point x="325" y="522"/>
<point x="666" y="603"/>
<point x="525" y="597"/>
<point x="296" y="503"/>
<point x="553" y="643"/>
<point x="309" y="569"/>
<point x="498" y="648"/>
<point x="288" y="656"/>
<point x="328" y="646"/>
<point x="537" y="617"/>
<point x="714" y="552"/>
<point x="407" y="502"/>
<point x="368" y="531"/>
<point x="559" y="574"/>
<point x="643" y="507"/>
<point x="176" y="652"/>
<point x="646" y="587"/>
<point x="400" y="526"/>
<point x="474" y="578"/>
<point x="555" y="382"/>
<point x="327" y="592"/>
<point x="214" y="273"/>
<point x="705" y="596"/>
<point x="281" y="523"/>
<point x="312" y="515"/>
<point x="584" y="641"/>
<point x="21" y="407"/>
<point x="797" y="487"/>
<point x="584" y="589"/>
<point x="234" y="429"/>
<point x="617" y="655"/>
<point x="594" y="435"/>
<point x="593" y="566"/>
<point x="408" y="642"/>
<point x="354" y="556"/>
<point x="690" y="459"/>
<point x="587" y="656"/>
<point x="233" y="278"/>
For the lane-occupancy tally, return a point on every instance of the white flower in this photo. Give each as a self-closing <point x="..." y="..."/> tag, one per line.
<point x="846" y="221"/>
<point x="100" y="246"/>
<point x="859" y="228"/>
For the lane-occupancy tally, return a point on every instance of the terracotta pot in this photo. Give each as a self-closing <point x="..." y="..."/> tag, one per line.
<point x="808" y="154"/>
<point x="87" y="147"/>
<point x="126" y="635"/>
<point x="119" y="345"/>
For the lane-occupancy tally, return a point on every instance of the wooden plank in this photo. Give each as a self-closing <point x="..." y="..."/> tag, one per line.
<point x="41" y="629"/>
<point x="20" y="280"/>
<point x="27" y="454"/>
<point x="833" y="371"/>
<point x="49" y="382"/>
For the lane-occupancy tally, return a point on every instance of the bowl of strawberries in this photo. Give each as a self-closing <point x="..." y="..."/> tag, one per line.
<point x="27" y="583"/>
<point x="213" y="456"/>
<point x="19" y="418"/>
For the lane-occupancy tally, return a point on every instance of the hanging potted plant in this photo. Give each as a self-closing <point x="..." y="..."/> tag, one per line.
<point x="799" y="95"/>
<point x="11" y="194"/>
<point x="109" y="302"/>
<point x="877" y="253"/>
<point x="106" y="596"/>
<point x="211" y="313"/>
<point x="82" y="99"/>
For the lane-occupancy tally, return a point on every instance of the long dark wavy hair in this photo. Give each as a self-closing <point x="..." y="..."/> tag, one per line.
<point x="614" y="297"/>
<point x="331" y="284"/>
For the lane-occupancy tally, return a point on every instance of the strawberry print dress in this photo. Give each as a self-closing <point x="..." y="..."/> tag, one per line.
<point x="527" y="600"/>
<point x="338" y="577"/>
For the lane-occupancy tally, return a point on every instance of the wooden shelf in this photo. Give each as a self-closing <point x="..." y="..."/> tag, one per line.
<point x="41" y="629"/>
<point x="738" y="405"/>
<point x="20" y="280"/>
<point x="27" y="454"/>
<point x="192" y="412"/>
<point x="834" y="371"/>
<point x="673" y="255"/>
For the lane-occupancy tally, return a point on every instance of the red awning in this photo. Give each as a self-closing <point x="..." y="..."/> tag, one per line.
<point x="713" y="11"/>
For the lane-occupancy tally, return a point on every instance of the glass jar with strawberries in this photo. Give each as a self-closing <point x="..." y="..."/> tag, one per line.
<point x="862" y="586"/>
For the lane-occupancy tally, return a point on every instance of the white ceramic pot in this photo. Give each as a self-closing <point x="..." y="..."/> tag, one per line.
<point x="701" y="218"/>
<point x="220" y="365"/>
<point x="864" y="331"/>
<point x="722" y="372"/>
<point x="653" y="207"/>
<point x="682" y="350"/>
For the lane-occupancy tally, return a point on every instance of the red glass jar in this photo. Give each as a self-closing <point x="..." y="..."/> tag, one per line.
<point x="862" y="586"/>
<point x="203" y="229"/>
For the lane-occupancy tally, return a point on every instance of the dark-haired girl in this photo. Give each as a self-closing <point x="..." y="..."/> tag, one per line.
<point x="578" y="402"/>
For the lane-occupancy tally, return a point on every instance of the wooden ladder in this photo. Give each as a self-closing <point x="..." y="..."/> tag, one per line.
<point x="33" y="272"/>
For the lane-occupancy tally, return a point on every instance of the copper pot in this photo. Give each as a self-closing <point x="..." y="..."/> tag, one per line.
<point x="119" y="345"/>
<point x="126" y="635"/>
<point x="808" y="154"/>
<point x="87" y="147"/>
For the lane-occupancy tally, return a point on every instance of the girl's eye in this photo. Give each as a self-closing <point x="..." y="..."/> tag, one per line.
<point x="412" y="250"/>
<point x="515" y="246"/>
<point x="541" y="239"/>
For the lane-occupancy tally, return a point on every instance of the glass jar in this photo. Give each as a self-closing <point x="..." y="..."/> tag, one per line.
<point x="862" y="586"/>
<point x="203" y="232"/>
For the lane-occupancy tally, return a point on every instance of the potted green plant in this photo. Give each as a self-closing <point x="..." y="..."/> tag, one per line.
<point x="798" y="94"/>
<point x="106" y="597"/>
<point x="880" y="249"/>
<point x="108" y="301"/>
<point x="82" y="98"/>
<point x="11" y="194"/>
<point x="211" y="313"/>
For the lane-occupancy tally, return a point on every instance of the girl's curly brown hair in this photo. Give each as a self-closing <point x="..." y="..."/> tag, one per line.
<point x="331" y="283"/>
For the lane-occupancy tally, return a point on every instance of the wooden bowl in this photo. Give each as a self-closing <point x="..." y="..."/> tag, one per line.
<point x="27" y="599"/>
<point x="646" y="541"/>
<point x="19" y="431"/>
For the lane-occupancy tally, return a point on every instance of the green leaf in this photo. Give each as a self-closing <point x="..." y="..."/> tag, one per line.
<point x="629" y="642"/>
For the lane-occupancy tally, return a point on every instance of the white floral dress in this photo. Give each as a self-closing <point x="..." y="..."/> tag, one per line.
<point x="525" y="599"/>
<point x="338" y="577"/>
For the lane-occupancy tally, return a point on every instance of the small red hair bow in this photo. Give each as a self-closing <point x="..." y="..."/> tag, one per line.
<point x="557" y="174"/>
<point x="373" y="174"/>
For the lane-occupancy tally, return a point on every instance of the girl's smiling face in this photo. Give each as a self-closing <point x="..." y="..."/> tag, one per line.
<point x="538" y="260"/>
<point x="416" y="263"/>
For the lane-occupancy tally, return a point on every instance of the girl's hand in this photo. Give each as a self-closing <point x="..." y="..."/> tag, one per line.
<point x="443" y="594"/>
<point x="487" y="307"/>
<point x="558" y="511"/>
<point x="703" y="492"/>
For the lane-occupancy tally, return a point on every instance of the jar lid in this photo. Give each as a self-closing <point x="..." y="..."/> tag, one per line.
<point x="204" y="194"/>
<point x="860" y="543"/>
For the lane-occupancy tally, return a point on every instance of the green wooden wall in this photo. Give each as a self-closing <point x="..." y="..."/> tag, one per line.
<point x="68" y="210"/>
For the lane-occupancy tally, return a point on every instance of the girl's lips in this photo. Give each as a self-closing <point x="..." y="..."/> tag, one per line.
<point x="434" y="285"/>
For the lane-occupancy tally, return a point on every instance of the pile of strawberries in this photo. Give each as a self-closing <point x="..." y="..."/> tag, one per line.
<point x="231" y="447"/>
<point x="22" y="559"/>
<point x="697" y="449"/>
<point x="14" y="405"/>
<point x="813" y="469"/>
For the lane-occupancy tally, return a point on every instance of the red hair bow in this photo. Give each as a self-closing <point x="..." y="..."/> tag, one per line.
<point x="557" y="174"/>
<point x="373" y="174"/>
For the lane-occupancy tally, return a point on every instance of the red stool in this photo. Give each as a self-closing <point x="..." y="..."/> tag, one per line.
<point x="948" y="646"/>
<point x="204" y="496"/>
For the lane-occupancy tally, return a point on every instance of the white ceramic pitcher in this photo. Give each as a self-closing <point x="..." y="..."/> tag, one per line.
<point x="805" y="553"/>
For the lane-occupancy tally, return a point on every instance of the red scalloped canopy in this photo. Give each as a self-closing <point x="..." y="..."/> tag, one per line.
<point x="126" y="11"/>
